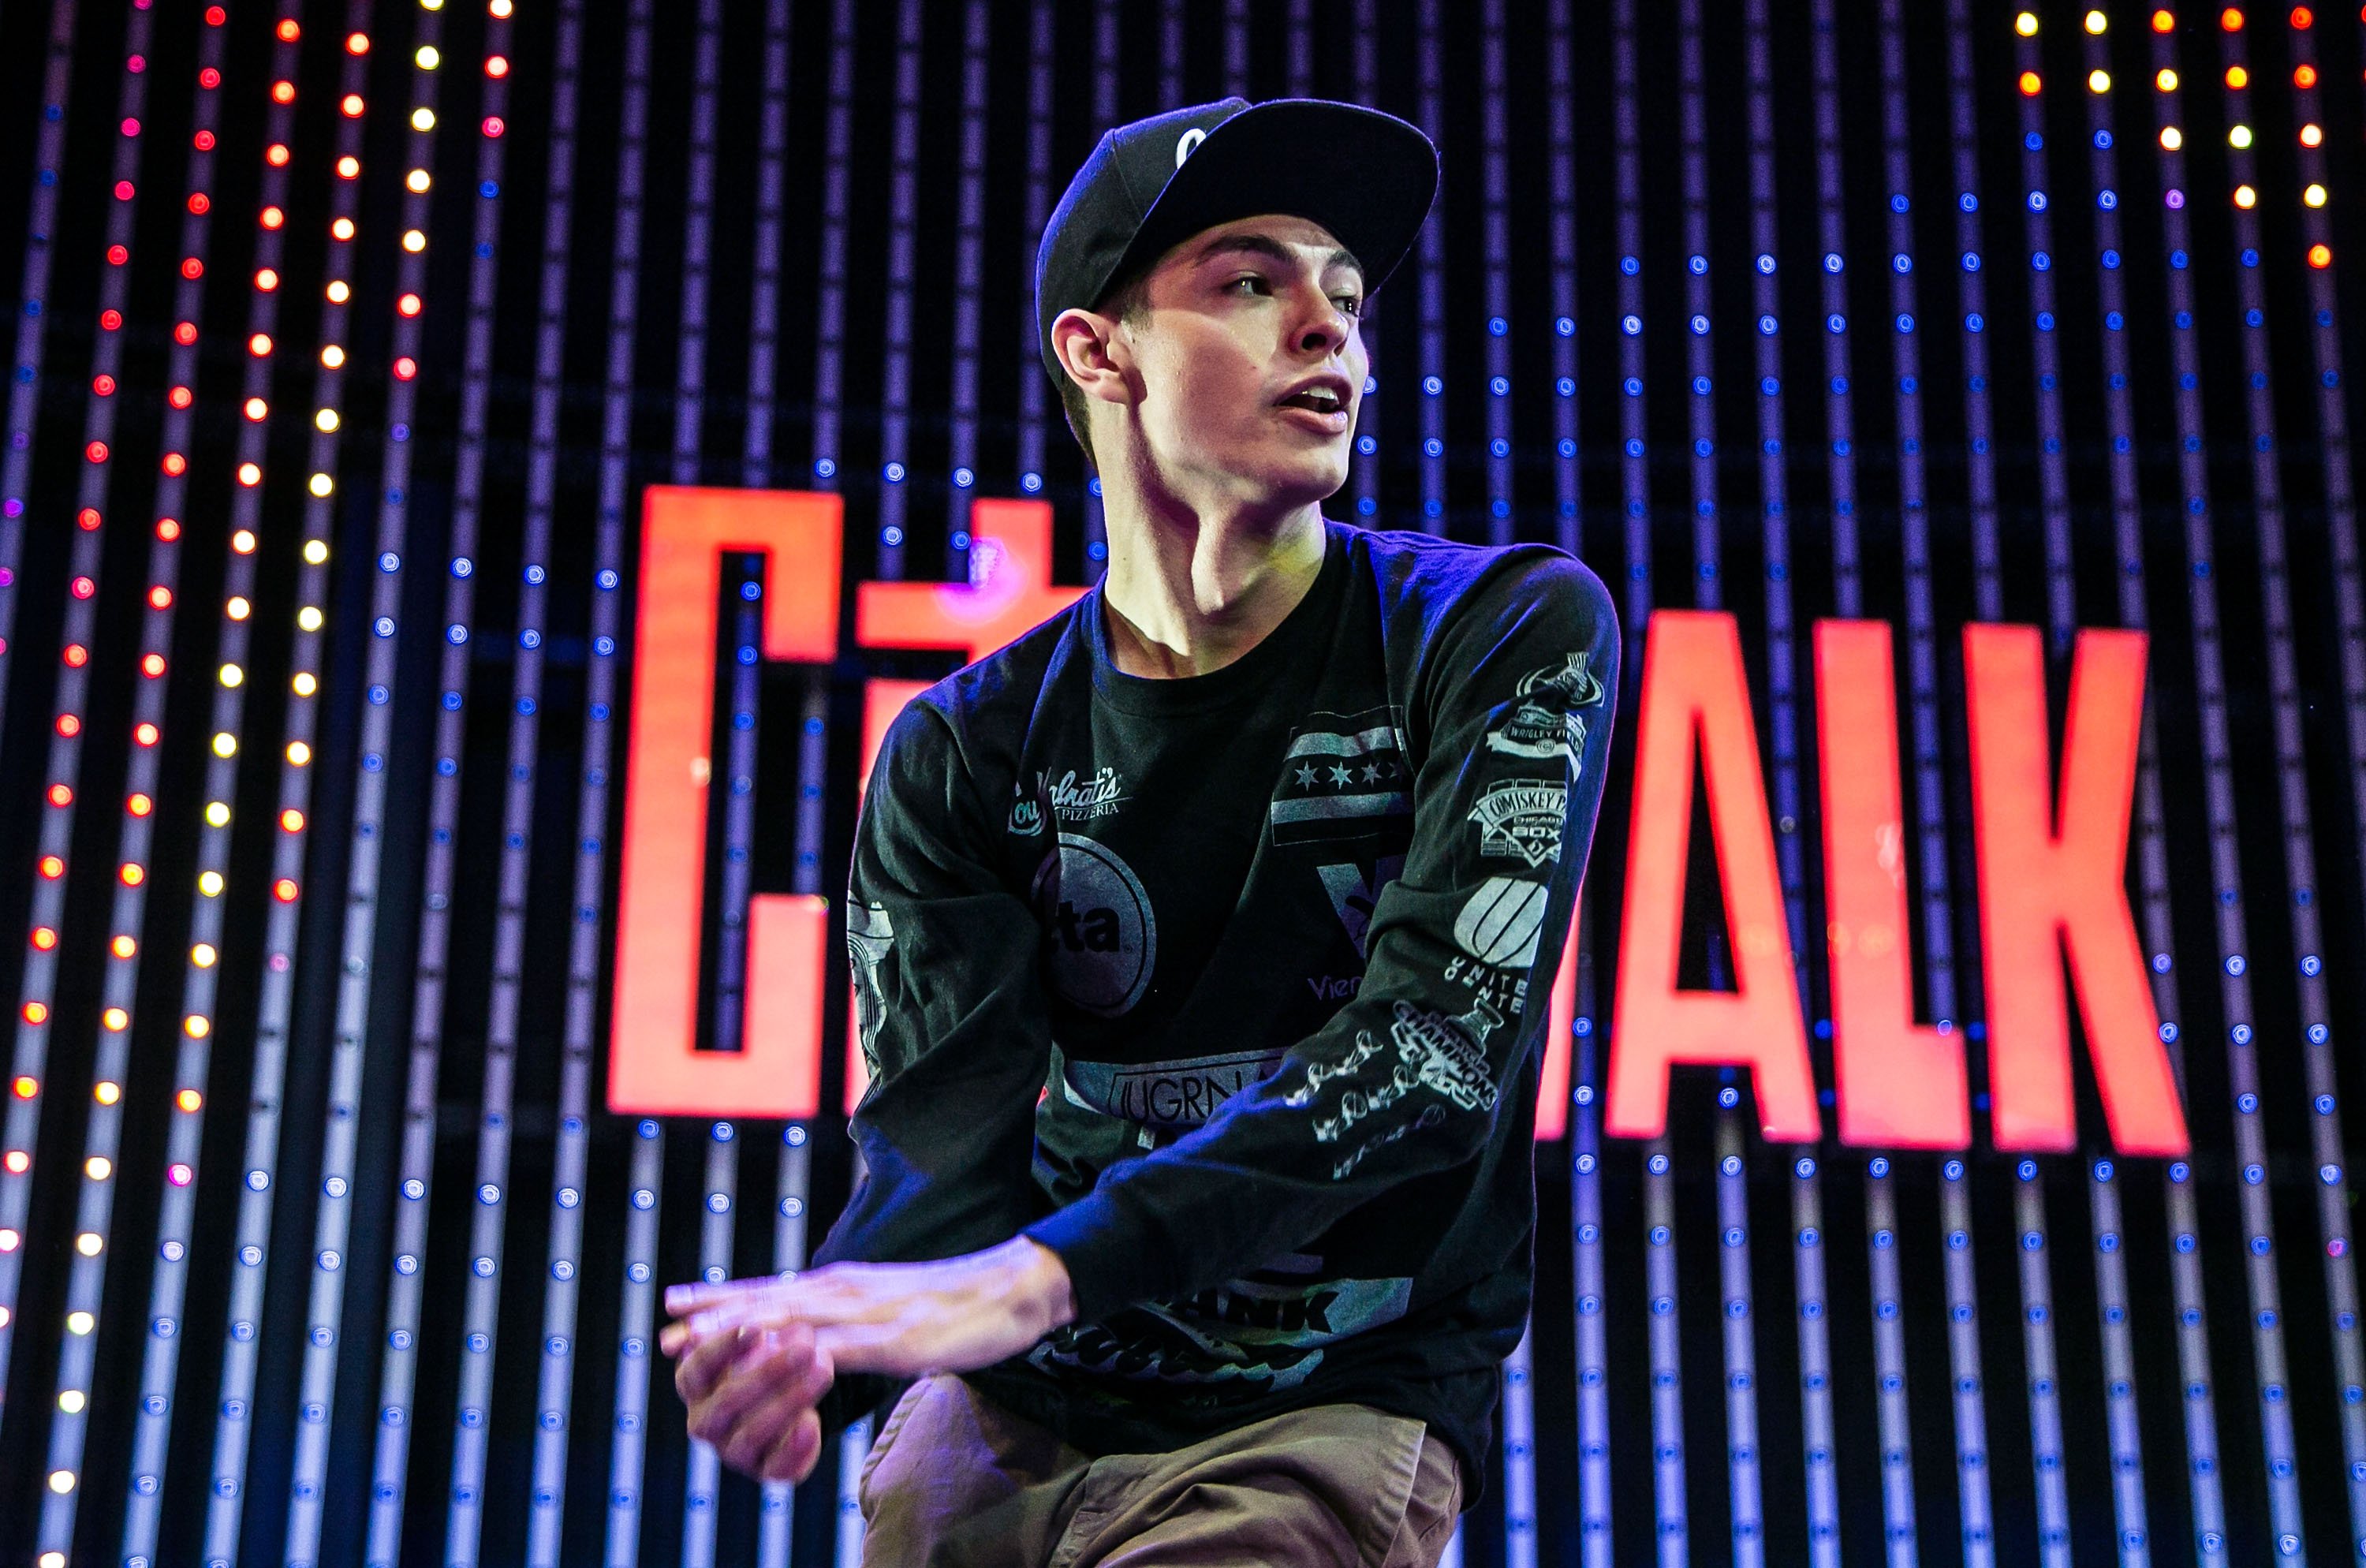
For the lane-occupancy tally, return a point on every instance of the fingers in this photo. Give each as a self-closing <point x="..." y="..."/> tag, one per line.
<point x="792" y="1459"/>
<point x="682" y="1299"/>
<point x="766" y="1366"/>
<point x="754" y="1417"/>
<point x="709" y="1359"/>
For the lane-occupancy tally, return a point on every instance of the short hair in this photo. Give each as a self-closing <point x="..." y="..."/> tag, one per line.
<point x="1126" y="301"/>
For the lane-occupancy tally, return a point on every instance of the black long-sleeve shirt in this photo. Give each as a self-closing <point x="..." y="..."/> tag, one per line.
<point x="1229" y="988"/>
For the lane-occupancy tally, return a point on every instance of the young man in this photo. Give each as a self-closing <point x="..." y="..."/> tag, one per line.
<point x="1202" y="938"/>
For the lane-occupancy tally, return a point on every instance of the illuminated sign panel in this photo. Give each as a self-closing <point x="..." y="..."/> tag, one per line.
<point x="2051" y="876"/>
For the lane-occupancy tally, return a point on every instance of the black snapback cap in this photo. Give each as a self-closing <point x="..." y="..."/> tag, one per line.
<point x="1367" y="176"/>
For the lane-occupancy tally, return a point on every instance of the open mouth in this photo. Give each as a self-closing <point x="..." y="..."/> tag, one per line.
<point x="1316" y="399"/>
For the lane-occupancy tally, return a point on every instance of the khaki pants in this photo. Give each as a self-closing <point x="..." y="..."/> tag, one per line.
<point x="954" y="1480"/>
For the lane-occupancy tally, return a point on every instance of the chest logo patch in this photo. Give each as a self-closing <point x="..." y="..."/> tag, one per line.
<point x="1344" y="775"/>
<point x="1077" y="801"/>
<point x="1100" y="938"/>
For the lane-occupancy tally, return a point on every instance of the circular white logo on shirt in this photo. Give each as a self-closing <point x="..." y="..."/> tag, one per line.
<point x="1187" y="143"/>
<point x="1101" y="940"/>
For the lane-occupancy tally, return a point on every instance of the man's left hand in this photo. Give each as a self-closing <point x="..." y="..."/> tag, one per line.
<point x="903" y="1320"/>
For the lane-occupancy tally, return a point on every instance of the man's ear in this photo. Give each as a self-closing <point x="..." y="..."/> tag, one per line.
<point x="1091" y="350"/>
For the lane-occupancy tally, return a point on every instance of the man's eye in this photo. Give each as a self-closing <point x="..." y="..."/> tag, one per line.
<point x="1349" y="305"/>
<point x="1248" y="278"/>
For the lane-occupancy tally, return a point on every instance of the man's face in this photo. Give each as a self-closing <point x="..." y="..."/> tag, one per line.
<point x="1248" y="364"/>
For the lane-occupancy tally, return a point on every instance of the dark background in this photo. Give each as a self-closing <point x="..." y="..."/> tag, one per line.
<point x="1333" y="29"/>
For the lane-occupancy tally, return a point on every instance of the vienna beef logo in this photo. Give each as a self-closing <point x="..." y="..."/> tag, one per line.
<point x="2051" y="852"/>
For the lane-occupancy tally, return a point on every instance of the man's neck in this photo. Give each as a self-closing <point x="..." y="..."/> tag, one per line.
<point x="1188" y="591"/>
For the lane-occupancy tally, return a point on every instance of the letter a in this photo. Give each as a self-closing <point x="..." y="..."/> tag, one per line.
<point x="1900" y="1083"/>
<point x="1692" y="684"/>
<point x="2053" y="877"/>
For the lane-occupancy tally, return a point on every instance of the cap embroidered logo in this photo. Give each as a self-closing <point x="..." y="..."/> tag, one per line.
<point x="1186" y="143"/>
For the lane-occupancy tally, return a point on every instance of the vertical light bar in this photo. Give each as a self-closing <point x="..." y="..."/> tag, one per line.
<point x="332" y="1218"/>
<point x="1520" y="1456"/>
<point x="629" y="1438"/>
<point x="160" y="1360"/>
<point x="2038" y="1363"/>
<point x="1172" y="16"/>
<point x="127" y="921"/>
<point x="969" y="245"/>
<point x="777" y="1519"/>
<point x="1746" y="1499"/>
<point x="1595" y="1541"/>
<point x="1496" y="179"/>
<point x="2265" y="1298"/>
<point x="415" y="1172"/>
<point x="2200" y="1423"/>
<point x="1034" y="381"/>
<point x="1104" y="115"/>
<point x="765" y="286"/>
<point x="903" y="202"/>
<point x="1429" y="275"/>
<point x="2341" y="507"/>
<point x="2121" y="1414"/>
<point x="1899" y="1531"/>
<point x="1364" y="467"/>
<point x="1236" y="49"/>
<point x="1822" y="1496"/>
<point x="29" y="1061"/>
<point x="702" y="1471"/>
<point x="829" y="326"/>
<point x="234" y="1430"/>
<point x="1670" y="1527"/>
<point x="2299" y="835"/>
<point x="1299" y="44"/>
<point x="2053" y="472"/>
<point x="555" y="1385"/>
<point x="1561" y="109"/>
<point x="1974" y="1510"/>
<point x="1974" y="1503"/>
<point x="25" y="384"/>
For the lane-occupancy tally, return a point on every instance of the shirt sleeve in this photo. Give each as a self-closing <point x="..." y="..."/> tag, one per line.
<point x="949" y="1016"/>
<point x="1510" y="719"/>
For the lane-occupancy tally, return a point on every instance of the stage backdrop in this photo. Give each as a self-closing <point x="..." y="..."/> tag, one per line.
<point x="480" y="474"/>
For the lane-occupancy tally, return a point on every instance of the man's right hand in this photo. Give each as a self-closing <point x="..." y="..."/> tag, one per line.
<point x="751" y="1394"/>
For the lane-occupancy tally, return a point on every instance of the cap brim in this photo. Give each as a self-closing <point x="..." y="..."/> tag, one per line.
<point x="1367" y="176"/>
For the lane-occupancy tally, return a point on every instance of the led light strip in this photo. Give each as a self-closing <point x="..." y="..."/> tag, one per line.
<point x="241" y="1351"/>
<point x="2122" y="1417"/>
<point x="1560" y="97"/>
<point x="1035" y="390"/>
<point x="1171" y="16"/>
<point x="1975" y="1503"/>
<point x="333" y="1216"/>
<point x="969" y="240"/>
<point x="1821" y="1491"/>
<point x="829" y="329"/>
<point x="903" y="201"/>
<point x="1893" y="1420"/>
<point x="2202" y="1482"/>
<point x="776" y="1525"/>
<point x="25" y="385"/>
<point x="2235" y="987"/>
<point x="555" y="1383"/>
<point x="1974" y="1510"/>
<point x="636" y="1326"/>
<point x="1429" y="274"/>
<point x="2341" y="505"/>
<point x="1299" y="46"/>
<point x="1519" y="1419"/>
<point x="29" y="1061"/>
<point x="406" y="1280"/>
<point x="1671" y="1529"/>
<point x="1496" y="178"/>
<point x="1236" y="49"/>
<point x="702" y="1471"/>
<point x="160" y="1361"/>
<point x="1105" y="116"/>
<point x="2299" y="835"/>
<point x="1746" y="1501"/>
<point x="764" y="291"/>
<point x="111" y="1053"/>
<point x="1364" y="467"/>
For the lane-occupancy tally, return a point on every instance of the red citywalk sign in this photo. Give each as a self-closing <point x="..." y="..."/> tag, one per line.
<point x="2051" y="846"/>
